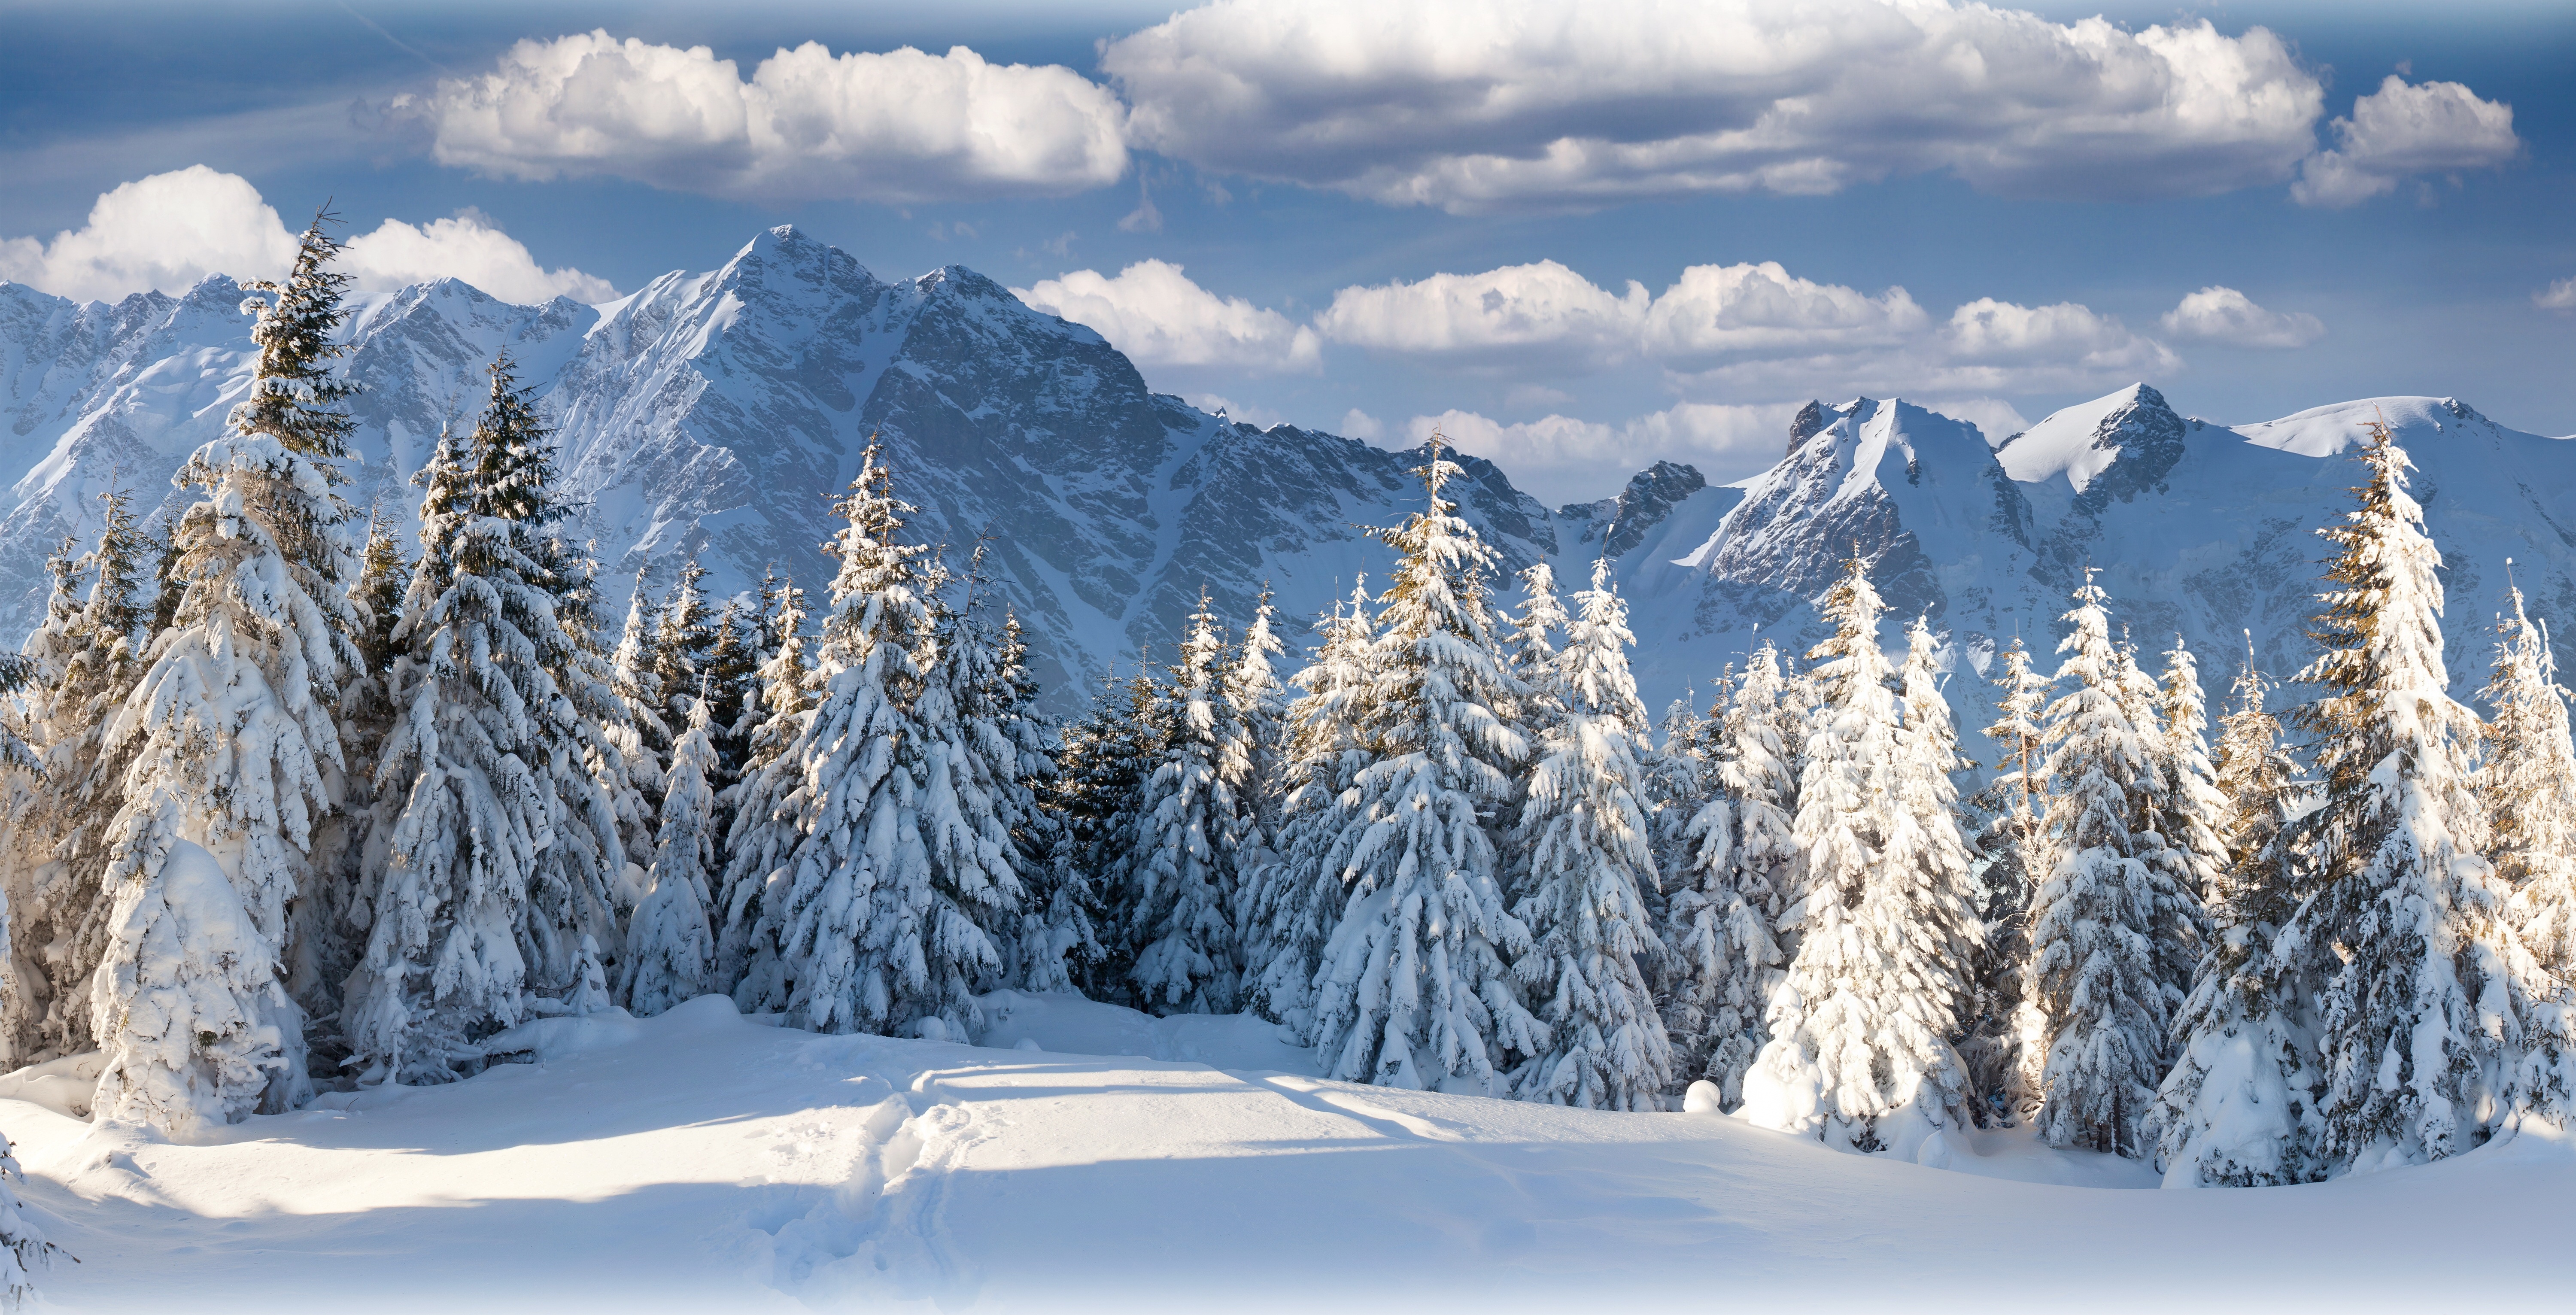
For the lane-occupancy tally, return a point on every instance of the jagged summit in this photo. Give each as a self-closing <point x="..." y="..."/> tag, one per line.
<point x="716" y="413"/>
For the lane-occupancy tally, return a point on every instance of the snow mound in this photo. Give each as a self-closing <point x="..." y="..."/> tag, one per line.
<point x="2067" y="441"/>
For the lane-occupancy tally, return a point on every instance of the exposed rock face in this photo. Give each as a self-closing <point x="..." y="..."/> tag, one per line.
<point x="719" y="414"/>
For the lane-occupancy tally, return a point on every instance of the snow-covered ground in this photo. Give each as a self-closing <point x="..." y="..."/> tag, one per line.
<point x="1088" y="1157"/>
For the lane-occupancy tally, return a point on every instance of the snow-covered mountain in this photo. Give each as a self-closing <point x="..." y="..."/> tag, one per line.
<point x="719" y="413"/>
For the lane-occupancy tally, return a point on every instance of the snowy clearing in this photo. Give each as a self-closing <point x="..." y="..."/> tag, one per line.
<point x="704" y="1161"/>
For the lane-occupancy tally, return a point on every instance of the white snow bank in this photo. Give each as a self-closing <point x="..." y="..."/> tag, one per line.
<point x="1072" y="1025"/>
<point x="62" y="1085"/>
<point x="700" y="1161"/>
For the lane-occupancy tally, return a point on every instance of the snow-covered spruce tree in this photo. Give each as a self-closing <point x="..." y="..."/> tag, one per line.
<point x="1532" y="648"/>
<point x="2401" y="927"/>
<point x="1414" y="987"/>
<point x="1181" y="878"/>
<point x="1250" y="763"/>
<point x="670" y="950"/>
<point x="684" y="642"/>
<point x="2235" y="1109"/>
<point x="885" y="920"/>
<point x="639" y="731"/>
<point x="2527" y="781"/>
<point x="483" y="782"/>
<point x="233" y="742"/>
<point x="1730" y="867"/>
<point x="1586" y="859"/>
<point x="2098" y="919"/>
<point x="2185" y="813"/>
<point x="1102" y="763"/>
<point x="767" y="820"/>
<point x="995" y="751"/>
<point x="1295" y="902"/>
<point x="1055" y="936"/>
<point x="24" y="1252"/>
<point x="1859" y="1053"/>
<point x="2004" y="1048"/>
<point x="80" y="666"/>
<point x="351" y="843"/>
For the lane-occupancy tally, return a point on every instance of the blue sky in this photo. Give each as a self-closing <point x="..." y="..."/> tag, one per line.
<point x="1368" y="217"/>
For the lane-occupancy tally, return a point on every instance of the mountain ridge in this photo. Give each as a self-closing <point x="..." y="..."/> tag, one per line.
<point x="718" y="413"/>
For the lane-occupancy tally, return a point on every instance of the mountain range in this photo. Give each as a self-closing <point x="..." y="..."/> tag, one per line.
<point x="716" y="415"/>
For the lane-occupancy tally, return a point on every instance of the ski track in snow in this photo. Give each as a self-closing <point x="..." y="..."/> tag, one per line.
<point x="699" y="1161"/>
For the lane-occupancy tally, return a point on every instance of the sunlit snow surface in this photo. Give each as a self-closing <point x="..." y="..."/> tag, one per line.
<point x="702" y="1161"/>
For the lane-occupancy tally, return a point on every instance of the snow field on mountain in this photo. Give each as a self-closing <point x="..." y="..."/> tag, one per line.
<point x="706" y="1161"/>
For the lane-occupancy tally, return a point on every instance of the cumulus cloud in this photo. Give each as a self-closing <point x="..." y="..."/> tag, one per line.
<point x="1157" y="316"/>
<point x="1717" y="311"/>
<point x="1725" y="442"/>
<point x="2400" y="131"/>
<point x="1739" y="329"/>
<point x="169" y="230"/>
<point x="2222" y="314"/>
<point x="166" y="231"/>
<point x="2560" y="295"/>
<point x="1544" y="316"/>
<point x="1472" y="104"/>
<point x="468" y="247"/>
<point x="900" y="127"/>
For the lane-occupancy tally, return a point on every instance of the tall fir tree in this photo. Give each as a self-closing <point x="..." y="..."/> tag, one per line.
<point x="1731" y="867"/>
<point x="1587" y="860"/>
<point x="1250" y="764"/>
<point x="2100" y="919"/>
<point x="81" y="665"/>
<point x="233" y="742"/>
<point x="2527" y="780"/>
<point x="885" y="920"/>
<point x="641" y="730"/>
<point x="2401" y="924"/>
<point x="1182" y="873"/>
<point x="1859" y="1053"/>
<point x="1294" y="903"/>
<point x="2236" y="1109"/>
<point x="1414" y="988"/>
<point x="2005" y="1046"/>
<point x="670" y="946"/>
<point x="484" y="786"/>
<point x="766" y="817"/>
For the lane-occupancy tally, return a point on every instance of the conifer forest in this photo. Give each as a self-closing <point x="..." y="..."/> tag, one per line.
<point x="303" y="807"/>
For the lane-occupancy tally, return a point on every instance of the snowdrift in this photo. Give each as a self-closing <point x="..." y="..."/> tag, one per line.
<point x="1092" y="1158"/>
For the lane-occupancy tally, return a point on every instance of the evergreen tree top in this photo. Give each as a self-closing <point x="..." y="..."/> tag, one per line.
<point x="295" y="398"/>
<point x="514" y="476"/>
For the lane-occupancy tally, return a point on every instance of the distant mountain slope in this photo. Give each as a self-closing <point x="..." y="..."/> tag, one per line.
<point x="719" y="414"/>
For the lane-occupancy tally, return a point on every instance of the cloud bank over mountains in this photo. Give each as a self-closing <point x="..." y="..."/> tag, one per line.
<point x="1473" y="105"/>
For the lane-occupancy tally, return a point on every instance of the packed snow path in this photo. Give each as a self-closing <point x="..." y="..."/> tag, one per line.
<point x="702" y="1161"/>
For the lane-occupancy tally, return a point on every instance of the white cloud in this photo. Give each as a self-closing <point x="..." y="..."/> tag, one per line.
<point x="468" y="247"/>
<point x="2223" y="314"/>
<point x="1153" y="312"/>
<point x="1725" y="442"/>
<point x="1994" y="417"/>
<point x="1987" y="330"/>
<point x="1742" y="330"/>
<point x="1253" y="414"/>
<point x="2560" y="295"/>
<point x="1717" y="311"/>
<point x="902" y="127"/>
<point x="1359" y="424"/>
<point x="166" y="231"/>
<point x="170" y="230"/>
<point x="1470" y="104"/>
<point x="1544" y="316"/>
<point x="2399" y="131"/>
